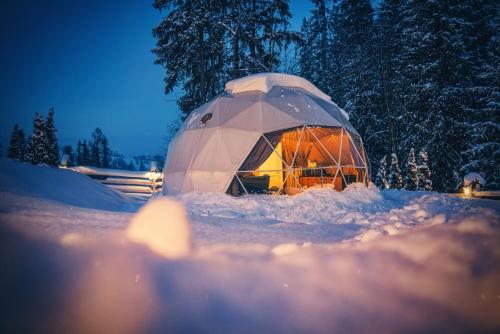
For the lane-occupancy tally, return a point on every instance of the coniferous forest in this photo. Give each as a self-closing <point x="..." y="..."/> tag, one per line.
<point x="419" y="79"/>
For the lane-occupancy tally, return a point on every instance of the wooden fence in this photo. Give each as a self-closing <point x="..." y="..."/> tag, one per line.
<point x="128" y="182"/>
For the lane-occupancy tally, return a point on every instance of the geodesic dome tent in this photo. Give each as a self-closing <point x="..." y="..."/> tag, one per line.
<point x="266" y="133"/>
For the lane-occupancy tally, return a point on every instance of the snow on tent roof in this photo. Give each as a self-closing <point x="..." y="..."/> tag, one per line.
<point x="264" y="82"/>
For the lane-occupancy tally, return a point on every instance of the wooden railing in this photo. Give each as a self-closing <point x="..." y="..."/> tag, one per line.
<point x="129" y="182"/>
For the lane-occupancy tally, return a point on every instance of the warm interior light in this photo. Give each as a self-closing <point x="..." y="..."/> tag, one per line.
<point x="467" y="191"/>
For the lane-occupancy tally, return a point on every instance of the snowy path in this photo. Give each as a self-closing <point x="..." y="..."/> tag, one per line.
<point x="357" y="261"/>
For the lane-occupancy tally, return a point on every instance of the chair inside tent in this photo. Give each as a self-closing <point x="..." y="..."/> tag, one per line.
<point x="292" y="160"/>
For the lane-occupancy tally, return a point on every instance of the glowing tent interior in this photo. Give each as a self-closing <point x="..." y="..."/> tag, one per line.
<point x="266" y="133"/>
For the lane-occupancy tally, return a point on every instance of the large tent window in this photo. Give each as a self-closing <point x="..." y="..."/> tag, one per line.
<point x="292" y="160"/>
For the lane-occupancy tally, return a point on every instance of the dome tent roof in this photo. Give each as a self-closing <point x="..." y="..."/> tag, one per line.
<point x="216" y="138"/>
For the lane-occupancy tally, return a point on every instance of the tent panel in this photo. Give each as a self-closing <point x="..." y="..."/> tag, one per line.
<point x="174" y="183"/>
<point x="209" y="181"/>
<point x="295" y="103"/>
<point x="274" y="119"/>
<point x="238" y="144"/>
<point x="249" y="118"/>
<point x="231" y="110"/>
<point x="212" y="154"/>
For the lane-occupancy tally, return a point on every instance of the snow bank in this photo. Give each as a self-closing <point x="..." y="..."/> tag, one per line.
<point x="355" y="205"/>
<point x="56" y="184"/>
<point x="314" y="206"/>
<point x="322" y="262"/>
<point x="264" y="82"/>
<point x="443" y="278"/>
<point x="163" y="226"/>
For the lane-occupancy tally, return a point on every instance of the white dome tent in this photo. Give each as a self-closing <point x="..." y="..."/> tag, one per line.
<point x="267" y="132"/>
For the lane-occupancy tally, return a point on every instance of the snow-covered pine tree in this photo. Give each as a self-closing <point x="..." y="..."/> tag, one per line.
<point x="381" y="178"/>
<point x="390" y="82"/>
<point x="275" y="31"/>
<point x="27" y="150"/>
<point x="68" y="151"/>
<point x="435" y="65"/>
<point x="96" y="147"/>
<point x="78" y="159"/>
<point x="85" y="154"/>
<point x="202" y="44"/>
<point x="315" y="51"/>
<point x="37" y="145"/>
<point x="94" y="159"/>
<point x="395" y="178"/>
<point x="51" y="140"/>
<point x="354" y="61"/>
<point x="105" y="152"/>
<point x="17" y="144"/>
<point x="424" y="173"/>
<point x="191" y="46"/>
<point x="411" y="179"/>
<point x="482" y="153"/>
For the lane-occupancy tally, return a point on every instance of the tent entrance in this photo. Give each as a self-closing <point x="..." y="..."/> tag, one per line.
<point x="287" y="162"/>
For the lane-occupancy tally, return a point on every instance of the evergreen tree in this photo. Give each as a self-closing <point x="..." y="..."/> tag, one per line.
<point x="94" y="159"/>
<point x="17" y="144"/>
<point x="424" y="173"/>
<point x="482" y="152"/>
<point x="37" y="144"/>
<point x="79" y="157"/>
<point x="395" y="179"/>
<point x="315" y="54"/>
<point x="390" y="82"/>
<point x="85" y="159"/>
<point x="28" y="150"/>
<point x="96" y="148"/>
<point x="203" y="44"/>
<point x="105" y="152"/>
<point x="353" y="64"/>
<point x="51" y="140"/>
<point x="411" y="180"/>
<point x="68" y="152"/>
<point x="131" y="166"/>
<point x="381" y="178"/>
<point x="436" y="63"/>
<point x="191" y="48"/>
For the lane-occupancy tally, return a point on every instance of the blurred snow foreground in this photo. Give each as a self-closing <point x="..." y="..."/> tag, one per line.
<point x="163" y="226"/>
<point x="77" y="257"/>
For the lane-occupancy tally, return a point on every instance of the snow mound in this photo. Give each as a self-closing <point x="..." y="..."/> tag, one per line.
<point x="163" y="226"/>
<point x="314" y="206"/>
<point x="474" y="177"/>
<point x="264" y="82"/>
<point x="61" y="185"/>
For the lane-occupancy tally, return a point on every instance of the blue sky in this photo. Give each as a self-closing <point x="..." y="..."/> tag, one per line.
<point x="92" y="61"/>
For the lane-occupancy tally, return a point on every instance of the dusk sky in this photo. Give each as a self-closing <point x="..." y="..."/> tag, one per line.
<point x="92" y="61"/>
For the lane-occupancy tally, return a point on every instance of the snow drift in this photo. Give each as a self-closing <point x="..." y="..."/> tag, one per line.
<point x="60" y="185"/>
<point x="322" y="262"/>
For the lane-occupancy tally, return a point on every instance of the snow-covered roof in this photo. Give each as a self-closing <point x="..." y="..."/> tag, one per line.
<point x="264" y="82"/>
<point x="474" y="177"/>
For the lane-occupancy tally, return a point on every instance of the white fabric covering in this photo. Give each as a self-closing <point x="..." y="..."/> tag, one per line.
<point x="204" y="155"/>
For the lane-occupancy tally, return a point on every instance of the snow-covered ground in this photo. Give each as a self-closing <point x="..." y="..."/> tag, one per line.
<point x="357" y="261"/>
